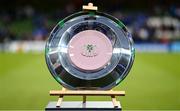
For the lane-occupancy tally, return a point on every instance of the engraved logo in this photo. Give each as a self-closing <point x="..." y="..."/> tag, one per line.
<point x="89" y="50"/>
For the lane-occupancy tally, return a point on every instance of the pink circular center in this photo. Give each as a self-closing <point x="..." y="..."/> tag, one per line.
<point x="90" y="50"/>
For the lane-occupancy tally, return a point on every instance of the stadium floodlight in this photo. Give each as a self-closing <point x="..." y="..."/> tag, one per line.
<point x="89" y="50"/>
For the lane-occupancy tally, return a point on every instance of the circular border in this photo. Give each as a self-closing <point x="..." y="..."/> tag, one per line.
<point x="117" y="74"/>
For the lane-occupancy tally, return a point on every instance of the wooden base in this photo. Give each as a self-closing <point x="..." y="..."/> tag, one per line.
<point x="85" y="93"/>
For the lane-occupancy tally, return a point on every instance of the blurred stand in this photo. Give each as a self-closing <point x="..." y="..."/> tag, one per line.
<point x="150" y="27"/>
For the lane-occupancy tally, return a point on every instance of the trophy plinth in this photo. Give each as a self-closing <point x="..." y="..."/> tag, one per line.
<point x="78" y="106"/>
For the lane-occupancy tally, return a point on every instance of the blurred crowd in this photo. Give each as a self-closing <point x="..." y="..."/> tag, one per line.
<point x="27" y="23"/>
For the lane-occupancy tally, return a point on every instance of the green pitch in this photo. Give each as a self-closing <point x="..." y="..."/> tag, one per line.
<point x="153" y="83"/>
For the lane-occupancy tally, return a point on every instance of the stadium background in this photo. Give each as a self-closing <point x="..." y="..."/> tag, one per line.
<point x="153" y="83"/>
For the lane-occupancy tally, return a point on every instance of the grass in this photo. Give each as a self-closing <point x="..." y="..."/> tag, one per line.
<point x="153" y="83"/>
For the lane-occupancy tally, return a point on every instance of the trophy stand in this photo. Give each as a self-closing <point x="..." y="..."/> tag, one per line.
<point x="113" y="105"/>
<point x="85" y="105"/>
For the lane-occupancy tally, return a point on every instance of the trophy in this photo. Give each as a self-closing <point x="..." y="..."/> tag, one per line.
<point x="89" y="53"/>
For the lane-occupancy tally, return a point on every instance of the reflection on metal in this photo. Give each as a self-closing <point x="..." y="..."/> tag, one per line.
<point x="99" y="58"/>
<point x="121" y="50"/>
